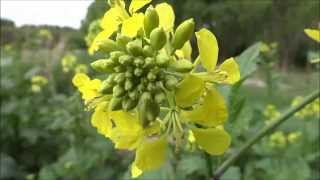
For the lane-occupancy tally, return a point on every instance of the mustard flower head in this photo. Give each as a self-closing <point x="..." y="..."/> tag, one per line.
<point x="37" y="82"/>
<point x="153" y="92"/>
<point x="313" y="34"/>
<point x="311" y="110"/>
<point x="68" y="62"/>
<point x="271" y="113"/>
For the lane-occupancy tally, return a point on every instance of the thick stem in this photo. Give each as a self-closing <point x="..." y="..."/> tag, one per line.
<point x="267" y="129"/>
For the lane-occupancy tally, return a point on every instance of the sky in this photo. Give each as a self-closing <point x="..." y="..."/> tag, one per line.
<point x="40" y="12"/>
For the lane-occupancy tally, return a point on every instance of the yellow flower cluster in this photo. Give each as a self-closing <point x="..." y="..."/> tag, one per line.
<point x="154" y="94"/>
<point x="37" y="82"/>
<point x="315" y="35"/>
<point x="271" y="113"/>
<point x="69" y="63"/>
<point x="279" y="140"/>
<point x="311" y="110"/>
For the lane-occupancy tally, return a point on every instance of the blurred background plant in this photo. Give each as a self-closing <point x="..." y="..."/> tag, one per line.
<point x="46" y="135"/>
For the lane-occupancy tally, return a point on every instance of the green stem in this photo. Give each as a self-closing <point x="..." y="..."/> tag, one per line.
<point x="267" y="129"/>
<point x="196" y="63"/>
<point x="209" y="164"/>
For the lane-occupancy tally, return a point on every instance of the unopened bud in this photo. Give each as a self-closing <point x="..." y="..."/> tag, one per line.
<point x="128" y="104"/>
<point x="120" y="78"/>
<point x="148" y="51"/>
<point x="128" y="85"/>
<point x="103" y="65"/>
<point x="108" y="46"/>
<point x="183" y="33"/>
<point x="171" y="82"/>
<point x="122" y="41"/>
<point x="181" y="65"/>
<point x="159" y="97"/>
<point x="158" y="38"/>
<point x="151" y="76"/>
<point x="115" y="103"/>
<point x="135" y="47"/>
<point x="118" y="91"/>
<point x="125" y="59"/>
<point x="106" y="87"/>
<point x="162" y="60"/>
<point x="138" y="72"/>
<point x="151" y="20"/>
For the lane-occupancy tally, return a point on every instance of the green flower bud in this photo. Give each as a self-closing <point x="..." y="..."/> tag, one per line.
<point x="128" y="74"/>
<point x="122" y="41"/>
<point x="119" y="69"/>
<point x="138" y="62"/>
<point x="103" y="65"/>
<point x="183" y="33"/>
<point x="118" y="91"/>
<point x="149" y="62"/>
<point x="125" y="59"/>
<point x="151" y="76"/>
<point x="128" y="104"/>
<point x="128" y="85"/>
<point x="151" y="20"/>
<point x="158" y="38"/>
<point x="133" y="94"/>
<point x="141" y="87"/>
<point x="106" y="87"/>
<point x="138" y="72"/>
<point x="120" y="78"/>
<point x="146" y="96"/>
<point x="148" y="51"/>
<point x="181" y="65"/>
<point x="159" y="97"/>
<point x="148" y="111"/>
<point x="171" y="82"/>
<point x="108" y="46"/>
<point x="151" y="86"/>
<point x="135" y="47"/>
<point x="115" y="103"/>
<point x="110" y="78"/>
<point x="162" y="60"/>
<point x="115" y="55"/>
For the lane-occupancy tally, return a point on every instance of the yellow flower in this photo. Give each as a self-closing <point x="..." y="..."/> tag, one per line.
<point x="294" y="137"/>
<point x="68" y="62"/>
<point x="278" y="139"/>
<point x="152" y="95"/>
<point x="131" y="21"/>
<point x="88" y="88"/>
<point x="228" y="72"/>
<point x="313" y="34"/>
<point x="271" y="113"/>
<point x="37" y="82"/>
<point x="117" y="15"/>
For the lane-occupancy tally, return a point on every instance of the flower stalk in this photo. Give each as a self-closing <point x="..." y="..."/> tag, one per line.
<point x="278" y="121"/>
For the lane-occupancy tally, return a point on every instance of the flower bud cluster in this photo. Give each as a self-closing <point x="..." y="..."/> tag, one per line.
<point x="140" y="69"/>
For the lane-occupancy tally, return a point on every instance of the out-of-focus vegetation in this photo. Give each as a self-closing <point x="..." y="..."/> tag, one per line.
<point x="46" y="135"/>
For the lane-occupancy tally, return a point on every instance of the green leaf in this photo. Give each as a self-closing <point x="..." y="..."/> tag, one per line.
<point x="191" y="166"/>
<point x="248" y="60"/>
<point x="233" y="173"/>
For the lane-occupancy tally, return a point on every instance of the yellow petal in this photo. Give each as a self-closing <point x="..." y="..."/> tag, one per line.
<point x="103" y="35"/>
<point x="213" y="112"/>
<point x="127" y="133"/>
<point x="313" y="34"/>
<point x="166" y="16"/>
<point x="150" y="155"/>
<point x="231" y="67"/>
<point x="80" y="79"/>
<point x="100" y="119"/>
<point x="131" y="26"/>
<point x="208" y="49"/>
<point x="135" y="171"/>
<point x="185" y="51"/>
<point x="137" y="4"/>
<point x="189" y="90"/>
<point x="214" y="141"/>
<point x="112" y="18"/>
